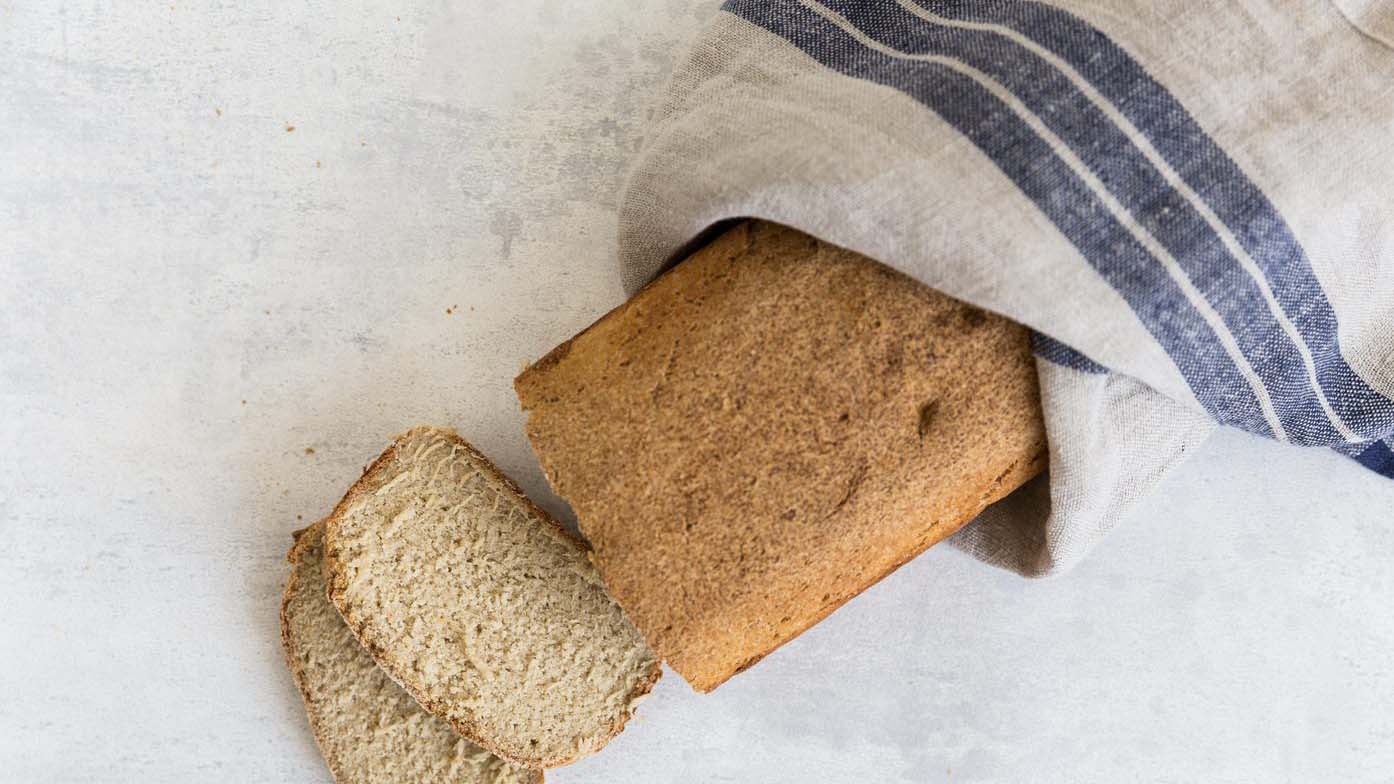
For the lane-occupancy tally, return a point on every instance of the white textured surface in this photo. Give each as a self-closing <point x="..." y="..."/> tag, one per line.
<point x="169" y="250"/>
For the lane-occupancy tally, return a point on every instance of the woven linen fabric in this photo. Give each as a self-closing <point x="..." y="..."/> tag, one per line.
<point x="1190" y="204"/>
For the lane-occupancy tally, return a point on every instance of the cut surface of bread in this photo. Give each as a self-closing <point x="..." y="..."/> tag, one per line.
<point x="369" y="730"/>
<point x="771" y="427"/>
<point x="481" y="606"/>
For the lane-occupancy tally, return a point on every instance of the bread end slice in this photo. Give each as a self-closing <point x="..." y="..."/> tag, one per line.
<point x="368" y="729"/>
<point x="481" y="606"/>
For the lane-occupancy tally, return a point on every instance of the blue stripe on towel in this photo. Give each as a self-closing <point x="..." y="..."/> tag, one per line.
<point x="1055" y="352"/>
<point x="1378" y="457"/>
<point x="1204" y="166"/>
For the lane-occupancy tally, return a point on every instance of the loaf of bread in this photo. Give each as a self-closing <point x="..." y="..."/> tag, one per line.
<point x="768" y="429"/>
<point x="367" y="728"/>
<point x="481" y="606"/>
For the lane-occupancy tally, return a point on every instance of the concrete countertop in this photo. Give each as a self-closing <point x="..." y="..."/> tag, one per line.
<point x="243" y="244"/>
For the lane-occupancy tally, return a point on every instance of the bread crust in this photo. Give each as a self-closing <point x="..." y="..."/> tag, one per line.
<point x="297" y="673"/>
<point x="768" y="429"/>
<point x="336" y="586"/>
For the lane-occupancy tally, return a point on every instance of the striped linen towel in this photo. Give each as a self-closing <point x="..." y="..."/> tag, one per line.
<point x="1191" y="204"/>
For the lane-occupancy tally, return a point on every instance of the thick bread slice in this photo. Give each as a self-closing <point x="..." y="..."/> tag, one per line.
<point x="769" y="428"/>
<point x="367" y="728"/>
<point x="481" y="606"/>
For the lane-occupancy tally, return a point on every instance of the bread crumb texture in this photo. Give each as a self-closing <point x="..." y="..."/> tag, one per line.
<point x="369" y="730"/>
<point x="482" y="606"/>
<point x="771" y="427"/>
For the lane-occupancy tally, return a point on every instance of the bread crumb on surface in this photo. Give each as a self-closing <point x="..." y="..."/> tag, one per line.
<point x="290" y="128"/>
<point x="309" y="450"/>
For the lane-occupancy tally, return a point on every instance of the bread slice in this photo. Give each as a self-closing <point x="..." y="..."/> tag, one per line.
<point x="367" y="728"/>
<point x="481" y="606"/>
<point x="769" y="428"/>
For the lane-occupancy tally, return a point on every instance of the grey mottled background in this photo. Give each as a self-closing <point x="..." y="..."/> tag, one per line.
<point x="242" y="244"/>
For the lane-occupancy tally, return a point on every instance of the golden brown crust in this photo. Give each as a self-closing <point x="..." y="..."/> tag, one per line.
<point x="768" y="429"/>
<point x="336" y="584"/>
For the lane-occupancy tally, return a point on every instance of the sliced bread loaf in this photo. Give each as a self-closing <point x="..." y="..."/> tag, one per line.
<point x="481" y="606"/>
<point x="369" y="730"/>
<point x="771" y="427"/>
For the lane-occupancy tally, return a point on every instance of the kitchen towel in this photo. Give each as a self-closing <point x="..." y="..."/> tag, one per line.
<point x="1190" y="204"/>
